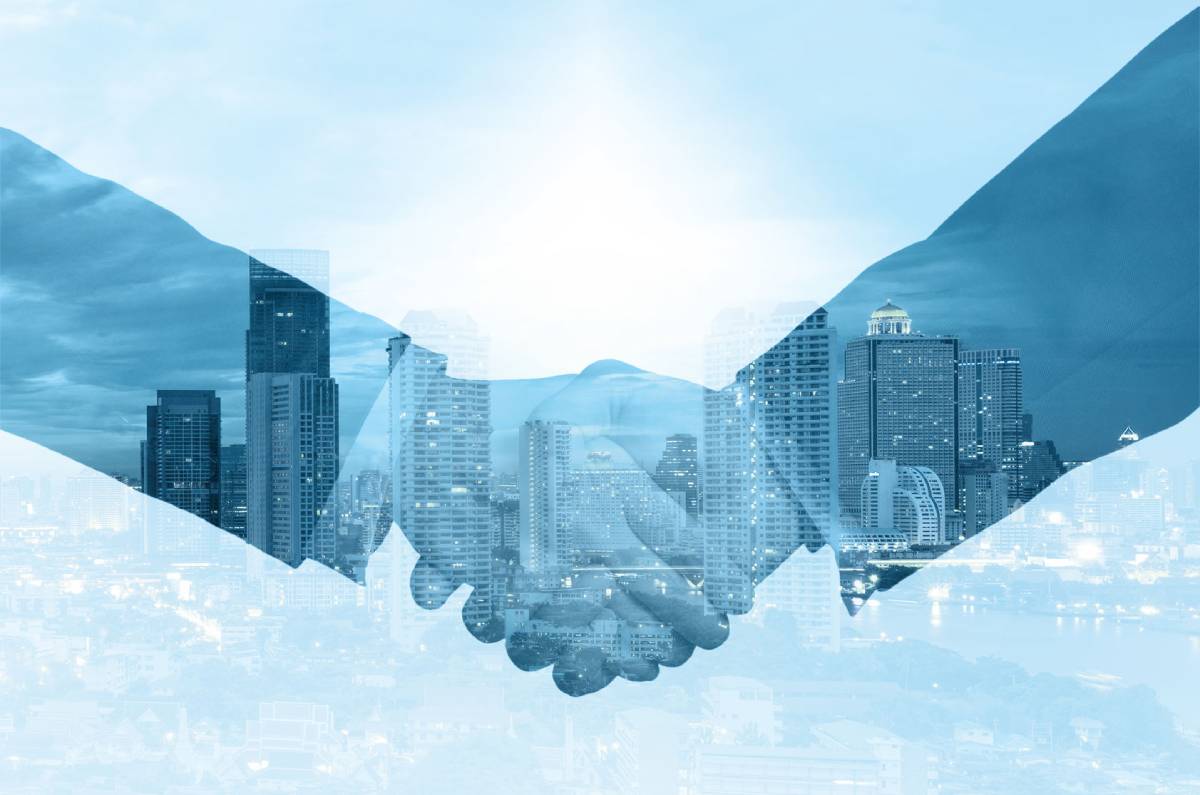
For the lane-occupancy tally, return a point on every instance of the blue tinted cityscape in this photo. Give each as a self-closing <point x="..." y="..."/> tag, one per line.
<point x="630" y="515"/>
<point x="526" y="464"/>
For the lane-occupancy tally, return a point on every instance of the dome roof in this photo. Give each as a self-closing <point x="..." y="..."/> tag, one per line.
<point x="888" y="310"/>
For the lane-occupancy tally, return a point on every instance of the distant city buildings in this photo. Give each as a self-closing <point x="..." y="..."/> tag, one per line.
<point x="506" y="513"/>
<point x="370" y="505"/>
<point x="918" y="445"/>
<point x="233" y="489"/>
<point x="1039" y="466"/>
<point x="92" y="502"/>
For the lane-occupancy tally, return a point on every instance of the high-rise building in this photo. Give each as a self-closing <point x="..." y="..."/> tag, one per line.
<point x="182" y="455"/>
<point x="233" y="489"/>
<point x="795" y="417"/>
<point x="897" y="401"/>
<point x="289" y="312"/>
<point x="370" y="506"/>
<point x="1040" y="466"/>
<point x="1121" y="472"/>
<point x="985" y="495"/>
<point x="678" y="472"/>
<point x="612" y="509"/>
<point x="543" y="468"/>
<point x="440" y="446"/>
<point x="730" y="492"/>
<point x="769" y="464"/>
<point x="506" y="514"/>
<point x="740" y="335"/>
<point x="367" y="490"/>
<point x="454" y="334"/>
<point x="991" y="411"/>
<point x="291" y="409"/>
<point x="292" y="466"/>
<point x="909" y="499"/>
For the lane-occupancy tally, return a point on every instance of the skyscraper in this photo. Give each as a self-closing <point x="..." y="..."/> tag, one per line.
<point x="440" y="446"/>
<point x="182" y="455"/>
<point x="543" y="468"/>
<point x="985" y="494"/>
<point x="769" y="463"/>
<point x="291" y="408"/>
<point x="233" y="489"/>
<point x="991" y="418"/>
<point x="730" y="493"/>
<point x="455" y="335"/>
<point x="292" y="466"/>
<point x="897" y="401"/>
<point x="289" y="312"/>
<point x="370" y="505"/>
<point x="506" y="513"/>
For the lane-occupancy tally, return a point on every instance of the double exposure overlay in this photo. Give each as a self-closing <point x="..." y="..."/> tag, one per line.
<point x="608" y="522"/>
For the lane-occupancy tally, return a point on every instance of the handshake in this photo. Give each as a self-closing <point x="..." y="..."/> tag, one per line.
<point x="574" y="512"/>
<point x="610" y="522"/>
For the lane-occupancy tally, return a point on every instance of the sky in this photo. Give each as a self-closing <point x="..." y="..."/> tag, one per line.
<point x="586" y="180"/>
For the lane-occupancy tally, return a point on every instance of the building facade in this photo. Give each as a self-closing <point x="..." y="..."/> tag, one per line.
<point x="292" y="466"/>
<point x="769" y="463"/>
<point x="543" y="471"/>
<point x="910" y="500"/>
<point x="440" y="447"/>
<point x="233" y="489"/>
<point x="292" y="456"/>
<point x="678" y="472"/>
<point x="991" y="411"/>
<point x="181" y="462"/>
<point x="898" y="402"/>
<point x="985" y="495"/>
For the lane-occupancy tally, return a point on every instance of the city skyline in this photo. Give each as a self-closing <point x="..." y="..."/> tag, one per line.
<point x="793" y="452"/>
<point x="600" y="398"/>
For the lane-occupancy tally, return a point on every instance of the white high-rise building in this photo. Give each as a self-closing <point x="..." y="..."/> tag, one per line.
<point x="454" y="334"/>
<point x="908" y="499"/>
<point x="440" y="444"/>
<point x="620" y="509"/>
<point x="543" y="468"/>
<point x="769" y="463"/>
